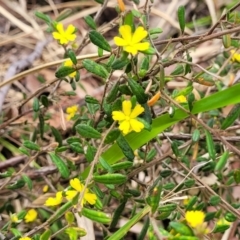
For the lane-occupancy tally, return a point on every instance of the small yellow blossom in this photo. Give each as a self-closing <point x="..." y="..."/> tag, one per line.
<point x="14" y="218"/>
<point x="181" y="99"/>
<point x="54" y="201"/>
<point x="235" y="56"/>
<point x="69" y="63"/>
<point x="45" y="188"/>
<point x="78" y="187"/>
<point x="25" y="238"/>
<point x="223" y="221"/>
<point x="63" y="36"/>
<point x="127" y="117"/>
<point x="31" y="215"/>
<point x="195" y="218"/>
<point x="131" y="42"/>
<point x="71" y="111"/>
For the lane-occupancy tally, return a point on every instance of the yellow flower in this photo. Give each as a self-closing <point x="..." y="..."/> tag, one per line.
<point x="181" y="99"/>
<point x="131" y="42"/>
<point x="235" y="56"/>
<point x="223" y="221"/>
<point x="195" y="218"/>
<point x="25" y="238"/>
<point x="64" y="37"/>
<point x="45" y="188"/>
<point x="14" y="218"/>
<point x="127" y="117"/>
<point x="31" y="215"/>
<point x="78" y="187"/>
<point x="54" y="201"/>
<point x="71" y="111"/>
<point x="69" y="63"/>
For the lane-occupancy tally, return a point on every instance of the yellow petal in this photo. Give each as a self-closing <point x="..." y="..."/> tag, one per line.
<point x="90" y="198"/>
<point x="54" y="201"/>
<point x="120" y="41"/>
<point x="76" y="184"/>
<point x="137" y="111"/>
<point x="56" y="35"/>
<point x="68" y="63"/>
<point x="118" y="116"/>
<point x="139" y="34"/>
<point x="126" y="107"/>
<point x="142" y="46"/>
<point x="59" y="28"/>
<point x="70" y="194"/>
<point x="125" y="127"/>
<point x="70" y="29"/>
<point x="136" y="125"/>
<point x="31" y="215"/>
<point x="130" y="49"/>
<point x="126" y="33"/>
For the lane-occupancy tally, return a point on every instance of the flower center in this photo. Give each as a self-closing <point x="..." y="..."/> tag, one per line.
<point x="127" y="118"/>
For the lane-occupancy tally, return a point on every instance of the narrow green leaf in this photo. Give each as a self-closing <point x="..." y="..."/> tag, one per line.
<point x="110" y="178"/>
<point x="96" y="216"/>
<point x="31" y="145"/>
<point x="210" y="145"/>
<point x="35" y="105"/>
<point x="60" y="164"/>
<point x="64" y="14"/>
<point x="91" y="100"/>
<point x="196" y="135"/>
<point x="119" y="63"/>
<point x="181" y="228"/>
<point x="57" y="135"/>
<point x="181" y="18"/>
<point x="222" y="161"/>
<point x="64" y="71"/>
<point x="77" y="147"/>
<point x="138" y="91"/>
<point x="125" y="147"/>
<point x="90" y="22"/>
<point x="144" y="230"/>
<point x="43" y="16"/>
<point x="105" y="165"/>
<point x="98" y="39"/>
<point x="113" y="93"/>
<point x="87" y="131"/>
<point x="231" y="117"/>
<point x="117" y="214"/>
<point x="236" y="176"/>
<point x="28" y="181"/>
<point x="71" y="54"/>
<point x="95" y="68"/>
<point x="46" y="235"/>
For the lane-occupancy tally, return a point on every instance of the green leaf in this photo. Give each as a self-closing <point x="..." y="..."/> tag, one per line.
<point x="90" y="22"/>
<point x="87" y="131"/>
<point x="60" y="164"/>
<point x="64" y="71"/>
<point x="43" y="16"/>
<point x="112" y="136"/>
<point x="28" y="181"/>
<point x="46" y="235"/>
<point x="113" y="93"/>
<point x="178" y="70"/>
<point x="181" y="228"/>
<point x="105" y="165"/>
<point x="117" y="214"/>
<point x="96" y="216"/>
<point x="91" y="100"/>
<point x="181" y="18"/>
<point x="222" y="161"/>
<point x="72" y="56"/>
<point x="44" y="101"/>
<point x="196" y="135"/>
<point x="125" y="147"/>
<point x="64" y="14"/>
<point x="128" y="20"/>
<point x="35" y="105"/>
<point x="57" y="135"/>
<point x="231" y="117"/>
<point x="95" y="68"/>
<point x="98" y="39"/>
<point x="142" y="234"/>
<point x="210" y="145"/>
<point x="110" y="178"/>
<point x="120" y="63"/>
<point x="237" y="176"/>
<point x="138" y="91"/>
<point x="31" y="145"/>
<point x="77" y="147"/>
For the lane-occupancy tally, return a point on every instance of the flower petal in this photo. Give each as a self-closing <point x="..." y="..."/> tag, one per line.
<point x="70" y="29"/>
<point x="125" y="127"/>
<point x="76" y="184"/>
<point x="70" y="194"/>
<point x="142" y="46"/>
<point x="90" y="198"/>
<point x="59" y="28"/>
<point x="126" y="33"/>
<point x="137" y="111"/>
<point x="139" y="34"/>
<point x="126" y="107"/>
<point x="130" y="49"/>
<point x="136" y="125"/>
<point x="54" y="201"/>
<point x="118" y="116"/>
<point x="120" y="41"/>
